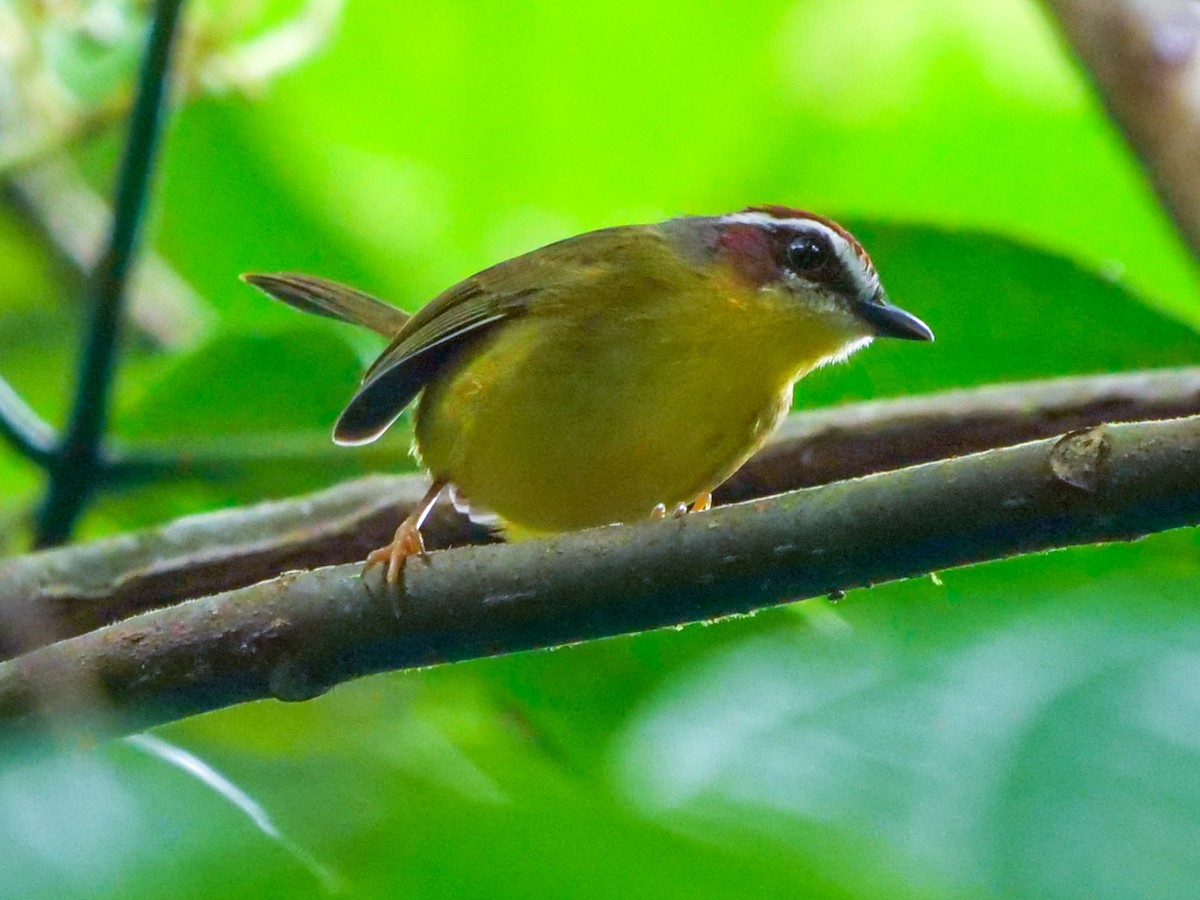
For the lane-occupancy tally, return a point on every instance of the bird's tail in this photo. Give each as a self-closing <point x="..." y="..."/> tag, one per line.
<point x="328" y="298"/>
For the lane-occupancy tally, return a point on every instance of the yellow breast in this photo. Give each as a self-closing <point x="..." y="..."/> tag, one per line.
<point x="593" y="408"/>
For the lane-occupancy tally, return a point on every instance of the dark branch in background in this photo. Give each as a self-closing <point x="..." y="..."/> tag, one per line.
<point x="826" y="445"/>
<point x="75" y="589"/>
<point x="77" y="461"/>
<point x="296" y="636"/>
<point x="71" y="220"/>
<point x="815" y="446"/>
<point x="58" y="593"/>
<point x="1145" y="59"/>
<point x="23" y="428"/>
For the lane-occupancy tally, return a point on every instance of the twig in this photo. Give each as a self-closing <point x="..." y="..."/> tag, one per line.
<point x="1145" y="58"/>
<point x="44" y="147"/>
<point x="252" y="64"/>
<point x="23" y="428"/>
<point x="75" y="589"/>
<point x="59" y="203"/>
<point x="39" y="179"/>
<point x="77" y="460"/>
<point x="296" y="636"/>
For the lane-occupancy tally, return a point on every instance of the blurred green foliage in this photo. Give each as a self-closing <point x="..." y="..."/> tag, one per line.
<point x="1026" y="728"/>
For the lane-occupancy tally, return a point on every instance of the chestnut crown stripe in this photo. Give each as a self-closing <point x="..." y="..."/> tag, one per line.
<point x="786" y="213"/>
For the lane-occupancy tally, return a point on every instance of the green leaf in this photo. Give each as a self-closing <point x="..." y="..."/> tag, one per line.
<point x="1001" y="312"/>
<point x="1030" y="729"/>
<point x="249" y="416"/>
<point x="249" y="383"/>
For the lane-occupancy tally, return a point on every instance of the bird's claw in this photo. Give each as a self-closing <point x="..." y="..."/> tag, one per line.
<point x="406" y="543"/>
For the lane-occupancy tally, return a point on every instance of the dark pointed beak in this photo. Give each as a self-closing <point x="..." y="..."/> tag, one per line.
<point x="892" y="321"/>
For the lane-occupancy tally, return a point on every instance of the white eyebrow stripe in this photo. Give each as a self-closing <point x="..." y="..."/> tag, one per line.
<point x="861" y="269"/>
<point x="766" y="220"/>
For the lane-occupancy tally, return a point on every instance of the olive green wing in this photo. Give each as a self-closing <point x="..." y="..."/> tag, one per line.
<point x="418" y="353"/>
<point x="329" y="298"/>
<point x="465" y="313"/>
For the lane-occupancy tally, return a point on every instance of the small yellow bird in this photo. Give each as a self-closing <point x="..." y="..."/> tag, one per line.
<point x="613" y="375"/>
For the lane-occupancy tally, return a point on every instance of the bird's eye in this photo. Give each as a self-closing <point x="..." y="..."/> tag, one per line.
<point x="808" y="254"/>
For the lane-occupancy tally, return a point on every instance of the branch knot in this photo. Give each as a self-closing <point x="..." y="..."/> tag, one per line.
<point x="1079" y="458"/>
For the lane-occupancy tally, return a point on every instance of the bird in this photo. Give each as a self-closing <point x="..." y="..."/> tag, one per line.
<point x="613" y="375"/>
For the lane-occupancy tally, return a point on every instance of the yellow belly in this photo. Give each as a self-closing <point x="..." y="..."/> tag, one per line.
<point x="570" y="422"/>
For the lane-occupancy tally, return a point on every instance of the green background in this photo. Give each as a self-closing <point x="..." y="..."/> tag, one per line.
<point x="1025" y="728"/>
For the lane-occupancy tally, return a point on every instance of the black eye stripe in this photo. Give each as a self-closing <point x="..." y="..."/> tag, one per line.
<point x="846" y="277"/>
<point x="811" y="255"/>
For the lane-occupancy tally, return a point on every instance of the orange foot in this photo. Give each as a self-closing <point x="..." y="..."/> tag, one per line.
<point x="700" y="504"/>
<point x="408" y="541"/>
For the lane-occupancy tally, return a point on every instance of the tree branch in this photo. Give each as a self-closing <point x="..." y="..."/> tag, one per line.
<point x="23" y="428"/>
<point x="815" y="446"/>
<point x="57" y="201"/>
<point x="78" y="459"/>
<point x="59" y="593"/>
<point x="296" y="636"/>
<point x="1145" y="58"/>
<point x="820" y="446"/>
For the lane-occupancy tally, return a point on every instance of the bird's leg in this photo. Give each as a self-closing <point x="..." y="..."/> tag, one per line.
<point x="407" y="541"/>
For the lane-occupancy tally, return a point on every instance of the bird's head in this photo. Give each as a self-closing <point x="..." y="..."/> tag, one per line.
<point x="816" y="260"/>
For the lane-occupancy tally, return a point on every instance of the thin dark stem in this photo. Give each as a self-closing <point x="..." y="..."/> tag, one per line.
<point x="77" y="462"/>
<point x="23" y="428"/>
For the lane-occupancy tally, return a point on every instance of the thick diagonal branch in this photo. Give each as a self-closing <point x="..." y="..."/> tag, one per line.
<point x="298" y="635"/>
<point x="60" y="593"/>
